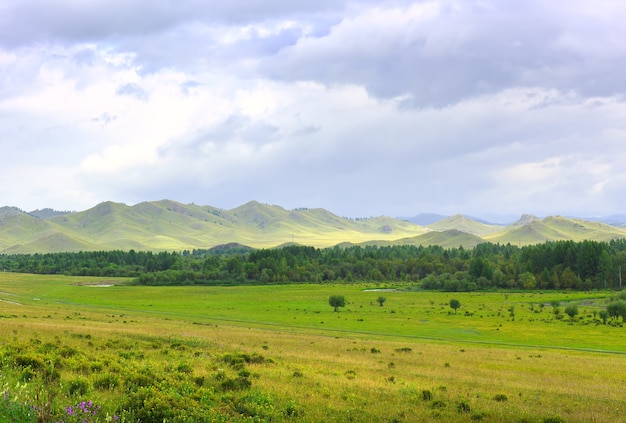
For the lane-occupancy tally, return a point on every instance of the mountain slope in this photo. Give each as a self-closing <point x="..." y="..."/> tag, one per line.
<point x="451" y="238"/>
<point x="530" y="230"/>
<point x="465" y="224"/>
<point x="169" y="225"/>
<point x="22" y="229"/>
<point x="172" y="226"/>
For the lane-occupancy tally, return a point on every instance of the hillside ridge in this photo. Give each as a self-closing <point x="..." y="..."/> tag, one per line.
<point x="167" y="225"/>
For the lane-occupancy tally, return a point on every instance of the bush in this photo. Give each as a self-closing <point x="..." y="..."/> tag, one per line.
<point x="500" y="398"/>
<point x="255" y="405"/>
<point x="151" y="405"/>
<point x="235" y="384"/>
<point x="463" y="407"/>
<point x="292" y="410"/>
<point x="35" y="362"/>
<point x="571" y="310"/>
<point x="106" y="381"/>
<point x="78" y="386"/>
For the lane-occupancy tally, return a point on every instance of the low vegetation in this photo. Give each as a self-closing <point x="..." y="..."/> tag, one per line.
<point x="80" y="348"/>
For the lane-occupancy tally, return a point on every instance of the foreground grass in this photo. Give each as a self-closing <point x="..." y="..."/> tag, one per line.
<point x="280" y="353"/>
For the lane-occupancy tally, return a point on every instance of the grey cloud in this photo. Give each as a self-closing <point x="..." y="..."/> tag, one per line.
<point x="24" y="22"/>
<point x="461" y="53"/>
<point x="132" y="90"/>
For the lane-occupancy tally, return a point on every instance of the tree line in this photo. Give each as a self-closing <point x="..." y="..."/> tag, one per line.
<point x="552" y="265"/>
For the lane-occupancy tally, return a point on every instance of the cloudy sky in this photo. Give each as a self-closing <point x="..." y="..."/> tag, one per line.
<point x="481" y="107"/>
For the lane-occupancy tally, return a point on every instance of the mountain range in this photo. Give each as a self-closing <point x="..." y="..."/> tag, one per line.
<point x="172" y="226"/>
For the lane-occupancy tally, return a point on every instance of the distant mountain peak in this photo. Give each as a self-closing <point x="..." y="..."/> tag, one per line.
<point x="526" y="219"/>
<point x="7" y="211"/>
<point x="47" y="213"/>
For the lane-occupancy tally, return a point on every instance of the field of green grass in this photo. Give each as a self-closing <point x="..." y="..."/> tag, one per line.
<point x="280" y="353"/>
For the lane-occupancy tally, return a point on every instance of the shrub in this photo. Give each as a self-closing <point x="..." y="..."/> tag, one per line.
<point x="133" y="381"/>
<point x="463" y="407"/>
<point x="571" y="310"/>
<point x="78" y="386"/>
<point x="438" y="404"/>
<point x="500" y="398"/>
<point x="235" y="384"/>
<point x="292" y="409"/>
<point x="106" y="381"/>
<point x="27" y="375"/>
<point x="34" y="362"/>
<point x="152" y="405"/>
<point x="255" y="405"/>
<point x="184" y="368"/>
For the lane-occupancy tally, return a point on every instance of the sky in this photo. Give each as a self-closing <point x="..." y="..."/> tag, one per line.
<point x="364" y="108"/>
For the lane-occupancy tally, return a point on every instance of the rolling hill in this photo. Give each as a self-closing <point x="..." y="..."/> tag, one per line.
<point x="555" y="228"/>
<point x="172" y="226"/>
<point x="169" y="225"/>
<point x="465" y="224"/>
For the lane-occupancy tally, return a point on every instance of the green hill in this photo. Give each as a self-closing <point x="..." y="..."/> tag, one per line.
<point x="465" y="224"/>
<point x="451" y="238"/>
<point x="169" y="225"/>
<point x="534" y="230"/>
<point x="172" y="226"/>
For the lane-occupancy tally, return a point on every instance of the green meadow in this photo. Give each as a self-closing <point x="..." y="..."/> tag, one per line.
<point x="280" y="353"/>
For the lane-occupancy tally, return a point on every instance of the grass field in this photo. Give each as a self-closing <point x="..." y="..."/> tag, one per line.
<point x="280" y="353"/>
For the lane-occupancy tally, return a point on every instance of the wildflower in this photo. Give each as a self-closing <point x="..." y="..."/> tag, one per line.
<point x="70" y="410"/>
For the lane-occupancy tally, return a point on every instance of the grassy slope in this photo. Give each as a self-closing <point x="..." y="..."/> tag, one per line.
<point x="465" y="224"/>
<point x="451" y="238"/>
<point x="168" y="225"/>
<point x="556" y="228"/>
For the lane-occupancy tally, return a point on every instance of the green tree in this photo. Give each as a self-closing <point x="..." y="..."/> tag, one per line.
<point x="455" y="304"/>
<point x="527" y="280"/>
<point x="381" y="300"/>
<point x="617" y="309"/>
<point x="571" y="310"/>
<point x="604" y="315"/>
<point x="569" y="280"/>
<point x="337" y="301"/>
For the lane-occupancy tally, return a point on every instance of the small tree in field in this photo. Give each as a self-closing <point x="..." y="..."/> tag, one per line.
<point x="381" y="300"/>
<point x="337" y="301"/>
<point x="604" y="315"/>
<point x="617" y="309"/>
<point x="454" y="304"/>
<point x="571" y="310"/>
